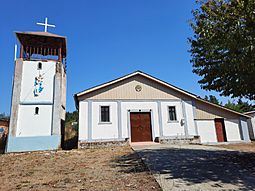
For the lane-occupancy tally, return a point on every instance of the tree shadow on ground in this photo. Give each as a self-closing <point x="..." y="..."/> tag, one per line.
<point x="197" y="166"/>
<point x="130" y="163"/>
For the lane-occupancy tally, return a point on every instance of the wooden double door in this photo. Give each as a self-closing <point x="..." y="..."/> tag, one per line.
<point x="220" y="130"/>
<point x="140" y="123"/>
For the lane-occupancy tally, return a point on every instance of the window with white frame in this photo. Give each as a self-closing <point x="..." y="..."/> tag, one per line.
<point x="172" y="113"/>
<point x="104" y="113"/>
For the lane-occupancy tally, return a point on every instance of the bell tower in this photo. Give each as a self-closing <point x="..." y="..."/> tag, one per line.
<point x="39" y="93"/>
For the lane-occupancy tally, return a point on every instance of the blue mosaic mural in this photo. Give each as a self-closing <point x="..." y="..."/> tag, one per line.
<point x="38" y="85"/>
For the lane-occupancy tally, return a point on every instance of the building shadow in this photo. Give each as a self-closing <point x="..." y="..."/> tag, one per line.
<point x="70" y="137"/>
<point x="70" y="144"/>
<point x="3" y="141"/>
<point x="196" y="166"/>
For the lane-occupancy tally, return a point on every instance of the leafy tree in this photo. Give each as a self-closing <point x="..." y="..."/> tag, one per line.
<point x="72" y="116"/>
<point x="223" y="46"/>
<point x="212" y="99"/>
<point x="240" y="106"/>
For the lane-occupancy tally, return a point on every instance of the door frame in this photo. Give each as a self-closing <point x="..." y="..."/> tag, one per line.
<point x="223" y="128"/>
<point x="140" y="111"/>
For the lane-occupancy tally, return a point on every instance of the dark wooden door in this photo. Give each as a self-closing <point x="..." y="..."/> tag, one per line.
<point x="220" y="130"/>
<point x="140" y="126"/>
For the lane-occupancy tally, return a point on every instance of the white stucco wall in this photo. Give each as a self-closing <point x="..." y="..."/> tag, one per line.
<point x="252" y="122"/>
<point x="108" y="131"/>
<point x="232" y="130"/>
<point x="104" y="130"/>
<point x="189" y="113"/>
<point x="172" y="128"/>
<point x="30" y="124"/>
<point x="29" y="73"/>
<point x="125" y="106"/>
<point x="83" y="120"/>
<point x="251" y="127"/>
<point x="245" y="130"/>
<point x="206" y="131"/>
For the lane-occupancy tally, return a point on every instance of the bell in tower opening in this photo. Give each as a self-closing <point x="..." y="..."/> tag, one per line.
<point x="39" y="93"/>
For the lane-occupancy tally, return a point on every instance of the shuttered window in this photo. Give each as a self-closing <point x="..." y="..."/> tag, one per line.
<point x="105" y="113"/>
<point x="172" y="113"/>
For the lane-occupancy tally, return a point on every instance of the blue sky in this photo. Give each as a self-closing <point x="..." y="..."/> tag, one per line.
<point x="106" y="39"/>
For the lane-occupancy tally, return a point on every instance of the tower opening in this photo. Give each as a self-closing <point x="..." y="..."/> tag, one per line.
<point x="37" y="111"/>
<point x="39" y="66"/>
<point x="42" y="46"/>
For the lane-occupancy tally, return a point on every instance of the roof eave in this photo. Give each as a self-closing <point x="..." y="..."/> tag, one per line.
<point x="157" y="80"/>
<point x="222" y="107"/>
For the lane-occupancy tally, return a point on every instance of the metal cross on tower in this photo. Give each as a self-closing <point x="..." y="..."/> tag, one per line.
<point x="46" y="24"/>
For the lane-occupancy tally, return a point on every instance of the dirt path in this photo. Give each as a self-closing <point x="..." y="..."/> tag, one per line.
<point x="244" y="147"/>
<point x="94" y="169"/>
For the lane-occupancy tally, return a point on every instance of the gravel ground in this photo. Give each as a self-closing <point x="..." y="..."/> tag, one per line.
<point x="116" y="168"/>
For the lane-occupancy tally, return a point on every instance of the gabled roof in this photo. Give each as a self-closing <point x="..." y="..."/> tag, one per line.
<point x="250" y="113"/>
<point x="191" y="95"/>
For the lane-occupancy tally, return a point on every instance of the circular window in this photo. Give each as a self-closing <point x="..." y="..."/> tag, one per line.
<point x="138" y="88"/>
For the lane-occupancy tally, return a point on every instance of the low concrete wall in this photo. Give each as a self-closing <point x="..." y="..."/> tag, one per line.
<point x="100" y="144"/>
<point x="183" y="140"/>
<point x="22" y="144"/>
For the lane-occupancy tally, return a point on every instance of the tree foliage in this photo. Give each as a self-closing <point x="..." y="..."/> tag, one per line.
<point x="223" y="46"/>
<point x="212" y="99"/>
<point x="240" y="106"/>
<point x="72" y="116"/>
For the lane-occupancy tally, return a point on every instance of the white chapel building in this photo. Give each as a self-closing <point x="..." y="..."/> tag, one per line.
<point x="140" y="108"/>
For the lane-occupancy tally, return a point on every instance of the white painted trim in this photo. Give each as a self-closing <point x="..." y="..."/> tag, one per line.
<point x="119" y="119"/>
<point x="89" y="120"/>
<point x="194" y="116"/>
<point x="174" y="121"/>
<point x="36" y="103"/>
<point x="104" y="123"/>
<point x="160" y="119"/>
<point x="133" y="100"/>
<point x="185" y="119"/>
